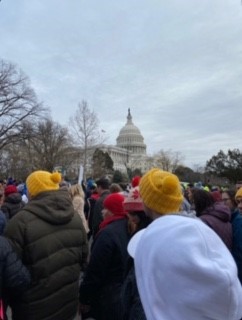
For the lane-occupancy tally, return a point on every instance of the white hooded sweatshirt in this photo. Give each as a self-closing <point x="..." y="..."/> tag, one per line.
<point x="185" y="272"/>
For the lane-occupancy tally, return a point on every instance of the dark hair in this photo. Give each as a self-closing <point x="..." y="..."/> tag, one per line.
<point x="231" y="195"/>
<point x="104" y="183"/>
<point x="202" y="200"/>
<point x="144" y="220"/>
<point x="123" y="186"/>
<point x="190" y="185"/>
<point x="115" y="187"/>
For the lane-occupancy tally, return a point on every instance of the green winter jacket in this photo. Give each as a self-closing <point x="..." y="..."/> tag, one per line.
<point x="50" y="238"/>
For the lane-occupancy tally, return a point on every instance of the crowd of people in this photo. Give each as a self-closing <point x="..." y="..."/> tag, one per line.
<point x="150" y="249"/>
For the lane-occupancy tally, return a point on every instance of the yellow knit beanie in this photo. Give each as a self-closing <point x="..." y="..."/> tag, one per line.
<point x="161" y="191"/>
<point x="238" y="193"/>
<point x="40" y="181"/>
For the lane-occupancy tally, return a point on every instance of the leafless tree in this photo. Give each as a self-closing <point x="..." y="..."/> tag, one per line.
<point x="48" y="145"/>
<point x="85" y="131"/>
<point x="168" y="160"/>
<point x="18" y="103"/>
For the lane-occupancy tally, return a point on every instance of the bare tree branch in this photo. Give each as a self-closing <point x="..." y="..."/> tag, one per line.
<point x="85" y="130"/>
<point x="18" y="103"/>
<point x="168" y="160"/>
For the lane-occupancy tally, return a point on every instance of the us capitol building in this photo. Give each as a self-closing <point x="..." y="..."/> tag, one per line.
<point x="130" y="149"/>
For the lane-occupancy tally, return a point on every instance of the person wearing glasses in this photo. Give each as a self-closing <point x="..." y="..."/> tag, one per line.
<point x="237" y="234"/>
<point x="228" y="198"/>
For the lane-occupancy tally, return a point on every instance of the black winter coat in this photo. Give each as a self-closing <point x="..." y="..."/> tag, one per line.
<point x="12" y="204"/>
<point x="3" y="222"/>
<point x="101" y="286"/>
<point x="14" y="277"/>
<point x="132" y="308"/>
<point x="49" y="236"/>
<point x="97" y="217"/>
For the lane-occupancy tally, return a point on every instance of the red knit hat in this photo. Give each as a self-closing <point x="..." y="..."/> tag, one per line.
<point x="133" y="201"/>
<point x="10" y="189"/>
<point x="216" y="196"/>
<point x="135" y="181"/>
<point x="114" y="203"/>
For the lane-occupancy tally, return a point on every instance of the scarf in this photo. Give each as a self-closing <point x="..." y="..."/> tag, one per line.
<point x="111" y="219"/>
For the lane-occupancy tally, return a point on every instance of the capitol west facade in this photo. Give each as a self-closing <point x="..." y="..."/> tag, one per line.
<point x="130" y="149"/>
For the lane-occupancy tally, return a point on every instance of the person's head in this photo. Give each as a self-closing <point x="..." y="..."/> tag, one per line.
<point x="135" y="181"/>
<point x="201" y="200"/>
<point x="93" y="188"/>
<point x="76" y="190"/>
<point x="133" y="204"/>
<point x="124" y="186"/>
<point x="238" y="185"/>
<point x="189" y="194"/>
<point x="161" y="193"/>
<point x="10" y="181"/>
<point x="228" y="198"/>
<point x="103" y="184"/>
<point x="113" y="205"/>
<point x="216" y="196"/>
<point x="11" y="188"/>
<point x="64" y="185"/>
<point x="238" y="199"/>
<point x="90" y="183"/>
<point x="41" y="181"/>
<point x="184" y="271"/>
<point x="115" y="187"/>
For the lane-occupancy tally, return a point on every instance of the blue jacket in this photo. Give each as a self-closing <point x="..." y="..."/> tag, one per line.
<point x="237" y="243"/>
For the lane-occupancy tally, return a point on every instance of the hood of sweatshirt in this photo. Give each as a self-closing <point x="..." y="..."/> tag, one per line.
<point x="53" y="206"/>
<point x="220" y="211"/>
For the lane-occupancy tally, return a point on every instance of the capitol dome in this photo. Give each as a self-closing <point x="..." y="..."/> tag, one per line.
<point x="130" y="137"/>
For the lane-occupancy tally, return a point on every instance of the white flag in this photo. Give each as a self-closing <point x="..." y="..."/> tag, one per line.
<point x="80" y="178"/>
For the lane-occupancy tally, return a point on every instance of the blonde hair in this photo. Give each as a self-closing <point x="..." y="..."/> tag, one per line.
<point x="76" y="190"/>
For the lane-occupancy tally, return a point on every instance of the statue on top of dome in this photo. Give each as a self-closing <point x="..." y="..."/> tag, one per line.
<point x="129" y="117"/>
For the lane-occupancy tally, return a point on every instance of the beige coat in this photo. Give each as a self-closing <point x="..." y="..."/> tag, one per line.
<point x="78" y="204"/>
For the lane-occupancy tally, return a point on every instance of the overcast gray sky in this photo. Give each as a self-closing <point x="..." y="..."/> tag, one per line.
<point x="177" y="64"/>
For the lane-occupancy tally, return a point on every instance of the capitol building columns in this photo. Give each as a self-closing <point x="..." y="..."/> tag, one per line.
<point x="130" y="149"/>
